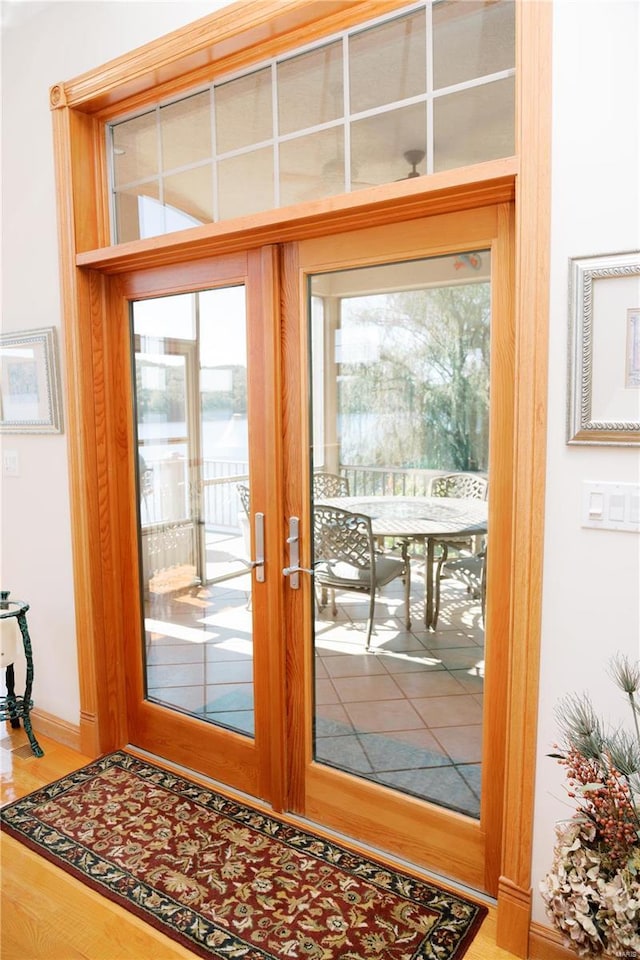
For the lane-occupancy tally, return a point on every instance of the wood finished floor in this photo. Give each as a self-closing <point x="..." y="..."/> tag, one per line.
<point x="48" y="915"/>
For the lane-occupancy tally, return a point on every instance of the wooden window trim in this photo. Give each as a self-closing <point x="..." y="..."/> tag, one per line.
<point x="246" y="32"/>
<point x="213" y="46"/>
<point x="478" y="186"/>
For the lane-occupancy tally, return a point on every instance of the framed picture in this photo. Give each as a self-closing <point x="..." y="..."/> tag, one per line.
<point x="604" y="350"/>
<point x="29" y="382"/>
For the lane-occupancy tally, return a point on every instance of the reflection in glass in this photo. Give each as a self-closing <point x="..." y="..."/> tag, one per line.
<point x="310" y="89"/>
<point x="192" y="451"/>
<point x="312" y="167"/>
<point x="387" y="63"/>
<point x="139" y="212"/>
<point x="380" y="144"/>
<point x="245" y="184"/>
<point x="185" y="131"/>
<point x="135" y="149"/>
<point x="474" y="125"/>
<point x="191" y="192"/>
<point x="244" y="111"/>
<point x="473" y="39"/>
<point x="400" y="380"/>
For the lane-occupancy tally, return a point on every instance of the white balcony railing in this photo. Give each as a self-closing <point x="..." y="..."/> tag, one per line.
<point x="166" y="492"/>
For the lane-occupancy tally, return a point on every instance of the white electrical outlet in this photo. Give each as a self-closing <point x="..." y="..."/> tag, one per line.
<point x="10" y="463"/>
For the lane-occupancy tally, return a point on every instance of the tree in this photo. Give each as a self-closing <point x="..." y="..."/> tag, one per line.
<point x="423" y="401"/>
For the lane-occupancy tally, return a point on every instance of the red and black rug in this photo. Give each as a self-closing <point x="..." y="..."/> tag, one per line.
<point x="230" y="882"/>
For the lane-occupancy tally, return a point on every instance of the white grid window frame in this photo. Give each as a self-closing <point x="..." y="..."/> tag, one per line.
<point x="346" y="121"/>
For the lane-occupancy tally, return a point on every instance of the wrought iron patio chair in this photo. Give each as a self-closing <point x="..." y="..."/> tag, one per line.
<point x="345" y="558"/>
<point x="470" y="485"/>
<point x="329" y="485"/>
<point x="470" y="570"/>
<point x="145" y="474"/>
<point x="243" y="493"/>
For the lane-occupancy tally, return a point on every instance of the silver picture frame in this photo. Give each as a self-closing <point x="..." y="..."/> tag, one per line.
<point x="604" y="350"/>
<point x="30" y="400"/>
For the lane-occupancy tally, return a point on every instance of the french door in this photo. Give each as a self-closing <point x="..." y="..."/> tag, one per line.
<point x="402" y="336"/>
<point x="204" y="662"/>
<point x="314" y="359"/>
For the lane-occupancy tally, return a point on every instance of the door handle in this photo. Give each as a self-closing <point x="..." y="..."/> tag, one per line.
<point x="258" y="563"/>
<point x="294" y="569"/>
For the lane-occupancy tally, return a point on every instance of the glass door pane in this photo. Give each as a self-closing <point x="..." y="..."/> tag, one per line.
<point x="195" y="539"/>
<point x="400" y="413"/>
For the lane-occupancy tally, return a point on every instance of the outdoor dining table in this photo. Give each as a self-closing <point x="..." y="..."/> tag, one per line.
<point x="422" y="519"/>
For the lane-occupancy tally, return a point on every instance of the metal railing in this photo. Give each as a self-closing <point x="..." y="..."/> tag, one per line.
<point x="388" y="481"/>
<point x="165" y="499"/>
<point x="221" y="504"/>
<point x="222" y="507"/>
<point x="166" y="493"/>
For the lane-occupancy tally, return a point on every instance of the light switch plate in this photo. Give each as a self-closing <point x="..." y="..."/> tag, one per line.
<point x="611" y="506"/>
<point x="10" y="463"/>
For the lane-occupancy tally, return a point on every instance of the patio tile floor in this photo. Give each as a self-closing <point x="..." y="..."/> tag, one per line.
<point x="407" y="714"/>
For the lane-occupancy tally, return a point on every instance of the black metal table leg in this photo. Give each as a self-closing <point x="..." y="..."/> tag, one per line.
<point x="14" y="707"/>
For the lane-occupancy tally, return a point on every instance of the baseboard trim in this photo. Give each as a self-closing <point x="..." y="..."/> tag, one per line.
<point x="514" y="917"/>
<point x="56" y="729"/>
<point x="89" y="738"/>
<point x="547" y="944"/>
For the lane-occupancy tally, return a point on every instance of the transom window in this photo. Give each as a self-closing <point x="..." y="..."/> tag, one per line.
<point x="426" y="90"/>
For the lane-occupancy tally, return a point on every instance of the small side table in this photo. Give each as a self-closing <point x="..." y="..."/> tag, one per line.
<point x="13" y="707"/>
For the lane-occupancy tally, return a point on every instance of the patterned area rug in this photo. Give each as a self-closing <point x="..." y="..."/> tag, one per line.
<point x="228" y="881"/>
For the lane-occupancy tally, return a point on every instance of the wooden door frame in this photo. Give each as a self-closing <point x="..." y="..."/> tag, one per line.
<point x="230" y="39"/>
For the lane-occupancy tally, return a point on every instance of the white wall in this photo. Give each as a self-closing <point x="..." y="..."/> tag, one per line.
<point x="591" y="599"/>
<point x="42" y="44"/>
<point x="591" y="585"/>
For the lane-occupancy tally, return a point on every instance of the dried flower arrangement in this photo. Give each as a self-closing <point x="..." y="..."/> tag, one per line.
<point x="592" y="891"/>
